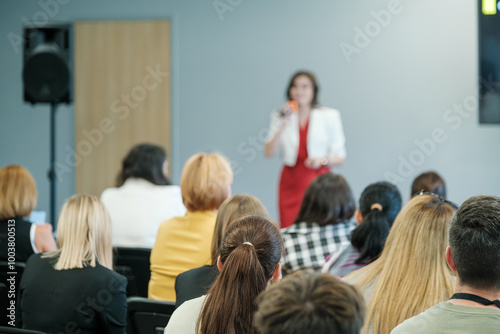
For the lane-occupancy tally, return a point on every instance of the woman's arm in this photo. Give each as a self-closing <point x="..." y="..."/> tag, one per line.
<point x="277" y="125"/>
<point x="273" y="146"/>
<point x="328" y="161"/>
<point x="44" y="240"/>
<point x="336" y="149"/>
<point x="115" y="312"/>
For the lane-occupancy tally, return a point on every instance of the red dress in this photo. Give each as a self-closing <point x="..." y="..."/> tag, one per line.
<point x="295" y="180"/>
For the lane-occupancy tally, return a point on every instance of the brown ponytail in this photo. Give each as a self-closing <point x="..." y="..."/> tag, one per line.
<point x="250" y="252"/>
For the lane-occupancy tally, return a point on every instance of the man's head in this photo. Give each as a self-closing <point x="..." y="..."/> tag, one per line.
<point x="310" y="303"/>
<point x="475" y="243"/>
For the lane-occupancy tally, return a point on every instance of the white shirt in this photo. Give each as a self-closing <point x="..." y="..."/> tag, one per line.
<point x="184" y="318"/>
<point x="137" y="209"/>
<point x="325" y="136"/>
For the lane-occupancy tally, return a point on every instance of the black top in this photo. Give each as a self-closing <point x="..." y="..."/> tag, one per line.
<point x="194" y="283"/>
<point x="19" y="230"/>
<point x="87" y="300"/>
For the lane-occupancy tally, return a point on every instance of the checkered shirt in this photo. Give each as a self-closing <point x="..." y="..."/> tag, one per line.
<point x="307" y="244"/>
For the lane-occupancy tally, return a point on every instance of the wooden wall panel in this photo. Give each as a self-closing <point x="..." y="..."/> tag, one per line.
<point x="122" y="95"/>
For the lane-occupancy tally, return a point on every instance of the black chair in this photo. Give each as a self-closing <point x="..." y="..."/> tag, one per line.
<point x="133" y="263"/>
<point x="148" y="316"/>
<point x="17" y="330"/>
<point x="6" y="289"/>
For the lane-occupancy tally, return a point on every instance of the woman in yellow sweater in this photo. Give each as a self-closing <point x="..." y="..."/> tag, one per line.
<point x="184" y="243"/>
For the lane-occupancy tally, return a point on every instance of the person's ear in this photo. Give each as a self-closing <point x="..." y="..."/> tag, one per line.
<point x="165" y="168"/>
<point x="277" y="273"/>
<point x="219" y="263"/>
<point x="449" y="259"/>
<point x="359" y="216"/>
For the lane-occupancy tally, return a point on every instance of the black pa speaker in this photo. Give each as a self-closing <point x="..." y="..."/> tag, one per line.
<point x="47" y="73"/>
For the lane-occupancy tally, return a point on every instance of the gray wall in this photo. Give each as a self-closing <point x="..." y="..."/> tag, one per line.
<point x="395" y="90"/>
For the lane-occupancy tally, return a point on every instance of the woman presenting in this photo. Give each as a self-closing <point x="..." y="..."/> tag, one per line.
<point x="311" y="140"/>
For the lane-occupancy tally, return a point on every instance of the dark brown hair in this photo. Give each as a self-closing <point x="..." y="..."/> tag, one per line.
<point x="475" y="242"/>
<point x="232" y="209"/>
<point x="144" y="161"/>
<point x="312" y="78"/>
<point x="328" y="200"/>
<point x="430" y="181"/>
<point x="250" y="252"/>
<point x="307" y="302"/>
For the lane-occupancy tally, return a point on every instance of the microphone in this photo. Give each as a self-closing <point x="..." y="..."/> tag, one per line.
<point x="293" y="104"/>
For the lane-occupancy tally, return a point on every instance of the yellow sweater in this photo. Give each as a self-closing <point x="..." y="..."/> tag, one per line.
<point x="182" y="243"/>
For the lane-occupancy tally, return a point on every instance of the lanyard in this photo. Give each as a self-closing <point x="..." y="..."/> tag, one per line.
<point x="477" y="299"/>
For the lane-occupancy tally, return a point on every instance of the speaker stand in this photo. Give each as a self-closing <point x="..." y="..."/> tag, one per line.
<point x="52" y="170"/>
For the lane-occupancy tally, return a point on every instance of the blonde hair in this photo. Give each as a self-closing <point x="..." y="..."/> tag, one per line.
<point x="411" y="274"/>
<point x="84" y="233"/>
<point x="205" y="181"/>
<point x="232" y="209"/>
<point x="18" y="195"/>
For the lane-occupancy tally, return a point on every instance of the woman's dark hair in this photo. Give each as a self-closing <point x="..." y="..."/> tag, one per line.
<point x="312" y="78"/>
<point x="429" y="181"/>
<point x="328" y="200"/>
<point x="250" y="252"/>
<point x="144" y="161"/>
<point x="369" y="237"/>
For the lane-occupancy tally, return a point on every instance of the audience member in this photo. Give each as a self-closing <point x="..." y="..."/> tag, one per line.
<point x="196" y="282"/>
<point x="143" y="199"/>
<point x="411" y="274"/>
<point x="379" y="205"/>
<point x="474" y="254"/>
<point x="322" y="225"/>
<point x="18" y="197"/>
<point x="183" y="243"/>
<point x="249" y="260"/>
<point x="429" y="181"/>
<point x="310" y="303"/>
<point x="74" y="289"/>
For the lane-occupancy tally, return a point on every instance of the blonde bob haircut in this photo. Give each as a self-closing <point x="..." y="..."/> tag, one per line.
<point x="206" y="182"/>
<point x="84" y="234"/>
<point x="18" y="195"/>
<point x="232" y="209"/>
<point x="411" y="274"/>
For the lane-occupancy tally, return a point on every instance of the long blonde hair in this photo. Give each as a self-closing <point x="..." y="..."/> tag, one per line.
<point x="84" y="234"/>
<point x="411" y="274"/>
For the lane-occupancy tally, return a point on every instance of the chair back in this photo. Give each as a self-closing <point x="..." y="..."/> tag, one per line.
<point x="133" y="263"/>
<point x="148" y="316"/>
<point x="9" y="288"/>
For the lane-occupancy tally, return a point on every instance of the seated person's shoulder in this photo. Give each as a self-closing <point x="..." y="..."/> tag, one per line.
<point x="109" y="274"/>
<point x="433" y="320"/>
